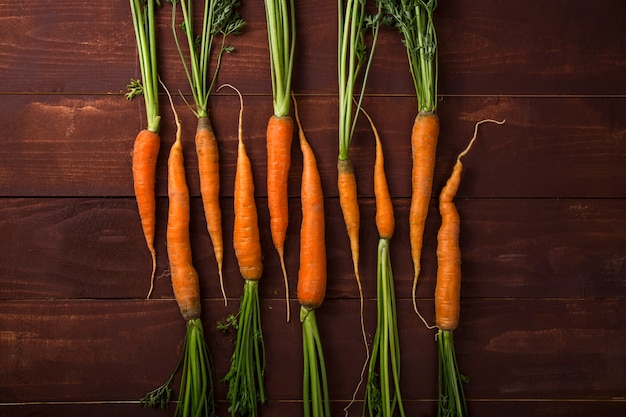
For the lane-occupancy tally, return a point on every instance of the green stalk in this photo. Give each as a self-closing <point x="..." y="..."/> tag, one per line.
<point x="315" y="384"/>
<point x="451" y="396"/>
<point x="247" y="366"/>
<point x="352" y="55"/>
<point x="414" y="20"/>
<point x="195" y="396"/>
<point x="143" y="14"/>
<point x="280" y="16"/>
<point x="220" y="18"/>
<point x="383" y="382"/>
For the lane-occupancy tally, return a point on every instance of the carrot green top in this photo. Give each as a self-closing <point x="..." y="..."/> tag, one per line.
<point x="143" y="12"/>
<point x="281" y="34"/>
<point x="352" y="54"/>
<point x="414" y="19"/>
<point x="220" y="18"/>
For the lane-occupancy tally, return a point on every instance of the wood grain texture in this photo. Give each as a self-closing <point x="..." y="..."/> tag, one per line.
<point x="50" y="147"/>
<point x="542" y="203"/>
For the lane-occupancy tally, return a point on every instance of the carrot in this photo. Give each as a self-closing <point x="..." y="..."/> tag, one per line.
<point x="196" y="386"/>
<point x="423" y="148"/>
<point x="281" y="34"/>
<point x="448" y="290"/>
<point x="382" y="393"/>
<point x="353" y="56"/>
<point x="147" y="142"/>
<point x="247" y="366"/>
<point x="220" y="18"/>
<point x="208" y="172"/>
<point x="145" y="154"/>
<point x="312" y="280"/>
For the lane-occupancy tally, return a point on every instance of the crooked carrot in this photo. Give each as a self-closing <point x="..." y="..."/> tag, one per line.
<point x="448" y="290"/>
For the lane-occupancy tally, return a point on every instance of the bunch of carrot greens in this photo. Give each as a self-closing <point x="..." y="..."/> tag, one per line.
<point x="220" y="20"/>
<point x="281" y="34"/>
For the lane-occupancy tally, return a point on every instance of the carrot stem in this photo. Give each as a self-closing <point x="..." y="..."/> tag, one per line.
<point x="451" y="395"/>
<point x="315" y="384"/>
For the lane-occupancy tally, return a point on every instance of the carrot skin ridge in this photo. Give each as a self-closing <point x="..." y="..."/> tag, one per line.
<point x="208" y="172"/>
<point x="145" y="155"/>
<point x="424" y="136"/>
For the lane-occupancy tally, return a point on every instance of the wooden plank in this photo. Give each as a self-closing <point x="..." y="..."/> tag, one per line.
<point x="115" y="350"/>
<point x="524" y="408"/>
<point x="549" y="147"/>
<point x="489" y="48"/>
<point x="93" y="248"/>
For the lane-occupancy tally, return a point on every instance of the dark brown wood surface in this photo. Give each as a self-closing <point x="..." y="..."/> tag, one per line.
<point x="542" y="202"/>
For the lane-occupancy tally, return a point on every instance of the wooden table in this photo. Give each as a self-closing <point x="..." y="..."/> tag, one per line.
<point x="542" y="203"/>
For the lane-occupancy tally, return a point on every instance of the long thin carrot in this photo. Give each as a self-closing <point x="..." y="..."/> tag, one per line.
<point x="196" y="387"/>
<point x="414" y="20"/>
<point x="220" y="18"/>
<point x="448" y="290"/>
<point x="147" y="142"/>
<point x="245" y="376"/>
<point x="281" y="33"/>
<point x="312" y="277"/>
<point x="382" y="394"/>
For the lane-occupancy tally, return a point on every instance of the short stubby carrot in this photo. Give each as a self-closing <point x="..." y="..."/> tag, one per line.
<point x="185" y="282"/>
<point x="209" y="174"/>
<point x="145" y="155"/>
<point x="346" y="185"/>
<point x="424" y="138"/>
<point x="246" y="226"/>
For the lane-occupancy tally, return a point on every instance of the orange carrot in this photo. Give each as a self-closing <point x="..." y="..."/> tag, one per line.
<point x="145" y="154"/>
<point x="448" y="291"/>
<point x="247" y="365"/>
<point x="312" y="273"/>
<point x="346" y="185"/>
<point x="246" y="225"/>
<point x="279" y="136"/>
<point x="208" y="171"/>
<point x="385" y="221"/>
<point x="423" y="143"/>
<point x="185" y="282"/>
<point x="448" y="288"/>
